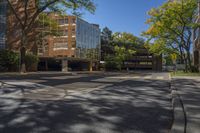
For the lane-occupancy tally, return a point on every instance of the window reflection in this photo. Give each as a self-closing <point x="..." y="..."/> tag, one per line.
<point x="88" y="40"/>
<point x="3" y="8"/>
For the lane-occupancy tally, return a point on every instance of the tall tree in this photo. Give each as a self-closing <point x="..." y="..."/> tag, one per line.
<point x="171" y="27"/>
<point x="127" y="40"/>
<point x="26" y="16"/>
<point x="106" y="34"/>
<point x="106" y="39"/>
<point x="124" y="46"/>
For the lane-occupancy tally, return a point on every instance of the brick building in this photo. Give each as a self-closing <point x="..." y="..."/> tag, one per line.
<point x="10" y="30"/>
<point x="77" y="46"/>
<point x="3" y="23"/>
<point x="143" y="60"/>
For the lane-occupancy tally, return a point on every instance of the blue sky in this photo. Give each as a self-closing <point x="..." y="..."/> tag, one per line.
<point x="122" y="15"/>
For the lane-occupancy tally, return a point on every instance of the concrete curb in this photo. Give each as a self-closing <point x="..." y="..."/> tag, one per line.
<point x="179" y="120"/>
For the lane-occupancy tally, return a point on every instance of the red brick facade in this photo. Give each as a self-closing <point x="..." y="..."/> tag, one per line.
<point x="68" y="37"/>
<point x="13" y="26"/>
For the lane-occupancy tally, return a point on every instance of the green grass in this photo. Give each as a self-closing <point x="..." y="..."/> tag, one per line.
<point x="182" y="73"/>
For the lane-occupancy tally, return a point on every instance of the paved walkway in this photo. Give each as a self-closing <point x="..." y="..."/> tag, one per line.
<point x="189" y="91"/>
<point x="127" y="104"/>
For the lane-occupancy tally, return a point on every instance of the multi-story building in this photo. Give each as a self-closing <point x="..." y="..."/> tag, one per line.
<point x="3" y="15"/>
<point x="78" y="44"/>
<point x="144" y="60"/>
<point x="196" y="40"/>
<point x="10" y="29"/>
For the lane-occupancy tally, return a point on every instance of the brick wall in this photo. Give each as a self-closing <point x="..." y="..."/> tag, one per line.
<point x="13" y="34"/>
<point x="69" y="38"/>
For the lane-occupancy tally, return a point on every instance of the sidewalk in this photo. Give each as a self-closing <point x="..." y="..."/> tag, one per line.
<point x="188" y="88"/>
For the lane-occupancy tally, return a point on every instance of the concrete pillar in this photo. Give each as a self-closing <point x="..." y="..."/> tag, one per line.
<point x="157" y="63"/>
<point x="90" y="66"/>
<point x="64" y="65"/>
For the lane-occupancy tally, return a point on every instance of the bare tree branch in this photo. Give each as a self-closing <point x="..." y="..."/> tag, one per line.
<point x="15" y="13"/>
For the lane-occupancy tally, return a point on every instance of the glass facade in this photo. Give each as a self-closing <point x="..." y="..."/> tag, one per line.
<point x="87" y="40"/>
<point x="3" y="11"/>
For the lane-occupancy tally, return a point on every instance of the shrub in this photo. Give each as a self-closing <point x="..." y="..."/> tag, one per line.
<point x="194" y="69"/>
<point x="9" y="60"/>
<point x="110" y="63"/>
<point x="31" y="62"/>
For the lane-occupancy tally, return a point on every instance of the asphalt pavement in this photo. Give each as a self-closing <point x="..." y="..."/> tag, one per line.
<point x="86" y="103"/>
<point x="188" y="88"/>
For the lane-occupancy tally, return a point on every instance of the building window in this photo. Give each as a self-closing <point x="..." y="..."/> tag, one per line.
<point x="3" y="10"/>
<point x="73" y="32"/>
<point x="73" y="44"/>
<point x="73" y="21"/>
<point x="63" y="33"/>
<point x="60" y="46"/>
<point x="61" y="21"/>
<point x="66" y="21"/>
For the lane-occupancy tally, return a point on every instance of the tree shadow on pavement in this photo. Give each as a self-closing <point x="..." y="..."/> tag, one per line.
<point x="189" y="91"/>
<point x="127" y="107"/>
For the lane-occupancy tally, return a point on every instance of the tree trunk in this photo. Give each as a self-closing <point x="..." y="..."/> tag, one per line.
<point x="23" y="53"/>
<point x="189" y="60"/>
<point x="185" y="62"/>
<point x="22" y="60"/>
<point x="181" y="54"/>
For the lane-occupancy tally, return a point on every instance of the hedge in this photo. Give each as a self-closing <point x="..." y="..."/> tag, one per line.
<point x="9" y="61"/>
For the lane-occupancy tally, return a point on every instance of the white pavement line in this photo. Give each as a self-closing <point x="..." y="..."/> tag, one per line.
<point x="170" y="77"/>
<point x="147" y="77"/>
<point x="160" y="77"/>
<point x="88" y="90"/>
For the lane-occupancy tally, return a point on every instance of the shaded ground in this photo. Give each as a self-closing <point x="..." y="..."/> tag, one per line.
<point x="189" y="91"/>
<point x="128" y="104"/>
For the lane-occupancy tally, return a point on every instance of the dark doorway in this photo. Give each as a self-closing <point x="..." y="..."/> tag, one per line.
<point x="49" y="65"/>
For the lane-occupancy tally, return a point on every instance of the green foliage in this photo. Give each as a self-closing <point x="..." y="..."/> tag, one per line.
<point x="106" y="43"/>
<point x="111" y="63"/>
<point x="183" y="74"/>
<point x="168" y="60"/>
<point x="119" y="47"/>
<point x="9" y="60"/>
<point x="125" y="45"/>
<point x="106" y="34"/>
<point x="116" y="62"/>
<point x="31" y="61"/>
<point x="28" y="20"/>
<point x="122" y="45"/>
<point x="76" y="7"/>
<point x="127" y="40"/>
<point x="47" y="25"/>
<point x="170" y="27"/>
